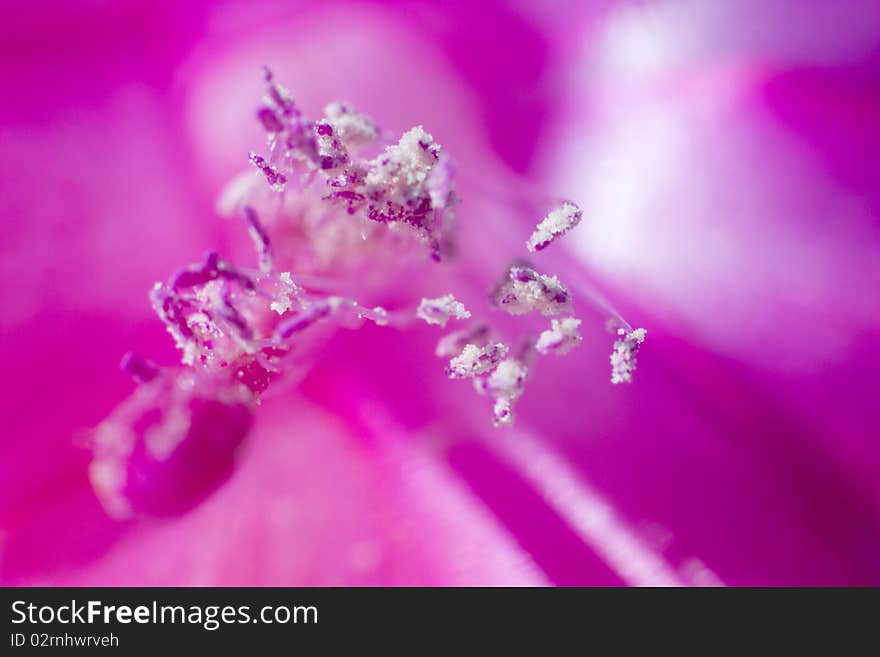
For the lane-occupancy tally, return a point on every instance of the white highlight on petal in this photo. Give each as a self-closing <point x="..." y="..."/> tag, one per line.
<point x="588" y="514"/>
<point x="723" y="171"/>
<point x="475" y="544"/>
<point x="639" y="42"/>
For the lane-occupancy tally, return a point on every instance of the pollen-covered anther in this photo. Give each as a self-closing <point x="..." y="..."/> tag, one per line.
<point x="396" y="182"/>
<point x="206" y="309"/>
<point x="332" y="153"/>
<point x="275" y="178"/>
<point x="560" y="338"/>
<point x="378" y="315"/>
<point x="287" y="290"/>
<point x="505" y="384"/>
<point x="558" y="222"/>
<point x="623" y="357"/>
<point x="408" y="183"/>
<point x="453" y="343"/>
<point x="475" y="361"/>
<point x="507" y="380"/>
<point x="523" y="290"/>
<point x="440" y="310"/>
<point x="277" y="96"/>
<point x="404" y="167"/>
<point x="354" y="129"/>
<point x="502" y="412"/>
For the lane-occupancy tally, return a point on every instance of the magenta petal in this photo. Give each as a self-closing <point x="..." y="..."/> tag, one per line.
<point x="729" y="183"/>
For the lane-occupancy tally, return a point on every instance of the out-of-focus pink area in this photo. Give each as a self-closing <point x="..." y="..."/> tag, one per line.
<point x="725" y="154"/>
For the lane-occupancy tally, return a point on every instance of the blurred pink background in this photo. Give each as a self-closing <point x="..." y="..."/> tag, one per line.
<point x="725" y="153"/>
